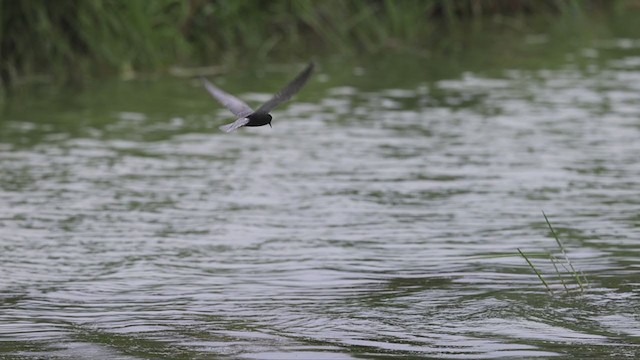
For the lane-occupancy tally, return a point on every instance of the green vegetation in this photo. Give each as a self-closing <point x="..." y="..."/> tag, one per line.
<point x="578" y="277"/>
<point x="71" y="40"/>
<point x="535" y="270"/>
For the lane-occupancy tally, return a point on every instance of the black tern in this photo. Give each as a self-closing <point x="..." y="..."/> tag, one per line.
<point x="244" y="113"/>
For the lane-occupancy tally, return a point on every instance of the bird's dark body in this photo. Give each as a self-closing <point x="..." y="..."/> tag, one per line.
<point x="245" y="115"/>
<point x="259" y="119"/>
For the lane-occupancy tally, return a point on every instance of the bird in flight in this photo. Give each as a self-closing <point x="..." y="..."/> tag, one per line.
<point x="246" y="116"/>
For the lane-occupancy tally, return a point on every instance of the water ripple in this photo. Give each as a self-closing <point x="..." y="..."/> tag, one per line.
<point x="372" y="222"/>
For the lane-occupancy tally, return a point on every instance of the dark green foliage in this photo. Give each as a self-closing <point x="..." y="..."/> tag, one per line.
<point x="70" y="40"/>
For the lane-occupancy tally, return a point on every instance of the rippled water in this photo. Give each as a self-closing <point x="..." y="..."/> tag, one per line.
<point x="371" y="221"/>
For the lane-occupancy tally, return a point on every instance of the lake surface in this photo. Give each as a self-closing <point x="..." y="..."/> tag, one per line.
<point x="381" y="217"/>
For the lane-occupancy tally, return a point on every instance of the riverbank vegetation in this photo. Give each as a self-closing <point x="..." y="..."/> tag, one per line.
<point x="74" y="40"/>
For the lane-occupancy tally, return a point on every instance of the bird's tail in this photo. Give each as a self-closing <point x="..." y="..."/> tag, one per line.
<point x="234" y="125"/>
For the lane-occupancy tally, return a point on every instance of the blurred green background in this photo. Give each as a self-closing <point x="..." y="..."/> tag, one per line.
<point x="71" y="41"/>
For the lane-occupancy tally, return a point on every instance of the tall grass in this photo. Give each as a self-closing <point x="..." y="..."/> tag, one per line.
<point x="71" y="40"/>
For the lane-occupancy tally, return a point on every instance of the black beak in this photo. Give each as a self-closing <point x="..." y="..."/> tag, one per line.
<point x="270" y="125"/>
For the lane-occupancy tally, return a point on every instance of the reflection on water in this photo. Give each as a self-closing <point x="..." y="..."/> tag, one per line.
<point x="366" y="222"/>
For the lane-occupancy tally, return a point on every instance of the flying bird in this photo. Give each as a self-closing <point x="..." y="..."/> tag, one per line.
<point x="245" y="115"/>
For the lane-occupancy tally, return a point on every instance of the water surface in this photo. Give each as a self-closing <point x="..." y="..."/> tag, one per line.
<point x="380" y="217"/>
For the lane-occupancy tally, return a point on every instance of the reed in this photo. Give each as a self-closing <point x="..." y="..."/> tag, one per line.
<point x="73" y="40"/>
<point x="535" y="270"/>
<point x="567" y="266"/>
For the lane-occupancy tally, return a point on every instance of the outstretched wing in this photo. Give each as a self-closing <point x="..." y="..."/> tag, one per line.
<point x="234" y="125"/>
<point x="288" y="91"/>
<point x="235" y="105"/>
